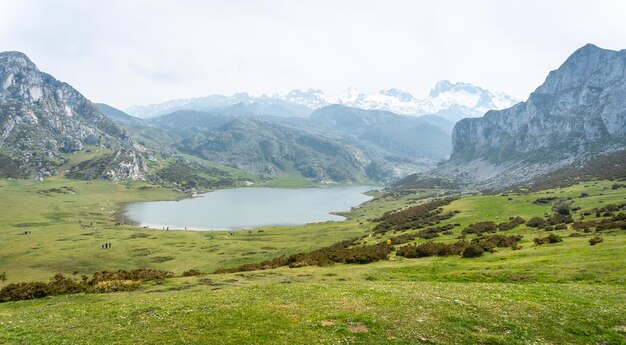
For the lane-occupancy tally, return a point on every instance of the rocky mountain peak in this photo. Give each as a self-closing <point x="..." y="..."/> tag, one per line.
<point x="43" y="119"/>
<point x="588" y="66"/>
<point x="579" y="111"/>
<point x="399" y="94"/>
<point x="15" y="59"/>
<point x="441" y="87"/>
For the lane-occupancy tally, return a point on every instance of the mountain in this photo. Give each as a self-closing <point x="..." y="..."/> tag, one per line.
<point x="401" y="135"/>
<point x="253" y="145"/>
<point x="578" y="112"/>
<point x="248" y="105"/>
<point x="451" y="101"/>
<point x="307" y="147"/>
<point x="43" y="120"/>
<point x="119" y="117"/>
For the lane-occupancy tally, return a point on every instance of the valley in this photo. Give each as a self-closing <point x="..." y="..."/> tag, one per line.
<point x="292" y="215"/>
<point x="480" y="299"/>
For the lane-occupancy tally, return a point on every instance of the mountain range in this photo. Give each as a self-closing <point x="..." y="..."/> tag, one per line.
<point x="49" y="128"/>
<point x="570" y="122"/>
<point x="336" y="143"/>
<point x="452" y="101"/>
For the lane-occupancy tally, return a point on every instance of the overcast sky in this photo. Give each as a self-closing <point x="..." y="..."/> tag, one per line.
<point x="139" y="52"/>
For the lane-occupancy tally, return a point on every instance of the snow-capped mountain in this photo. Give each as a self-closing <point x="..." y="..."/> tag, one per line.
<point x="452" y="101"/>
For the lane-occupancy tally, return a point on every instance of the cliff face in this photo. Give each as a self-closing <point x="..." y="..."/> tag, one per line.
<point x="579" y="111"/>
<point x="43" y="119"/>
<point x="580" y="106"/>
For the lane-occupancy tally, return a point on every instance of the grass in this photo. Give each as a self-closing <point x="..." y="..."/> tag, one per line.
<point x="569" y="292"/>
<point x="68" y="230"/>
<point x="341" y="312"/>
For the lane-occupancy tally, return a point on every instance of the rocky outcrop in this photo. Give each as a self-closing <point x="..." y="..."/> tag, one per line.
<point x="123" y="164"/>
<point x="580" y="110"/>
<point x="43" y="119"/>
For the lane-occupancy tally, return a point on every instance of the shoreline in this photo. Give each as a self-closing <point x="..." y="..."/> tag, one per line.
<point x="121" y="217"/>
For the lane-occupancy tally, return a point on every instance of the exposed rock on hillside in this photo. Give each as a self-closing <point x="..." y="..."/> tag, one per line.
<point x="41" y="119"/>
<point x="123" y="164"/>
<point x="579" y="111"/>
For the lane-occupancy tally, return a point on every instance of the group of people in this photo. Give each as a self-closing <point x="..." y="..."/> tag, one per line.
<point x="106" y="246"/>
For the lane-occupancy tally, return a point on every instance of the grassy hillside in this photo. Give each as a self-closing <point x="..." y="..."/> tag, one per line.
<point x="566" y="292"/>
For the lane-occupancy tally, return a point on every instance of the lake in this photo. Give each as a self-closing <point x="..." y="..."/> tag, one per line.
<point x="244" y="208"/>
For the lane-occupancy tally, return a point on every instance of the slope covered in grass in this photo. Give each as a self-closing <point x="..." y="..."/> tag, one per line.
<point x="566" y="292"/>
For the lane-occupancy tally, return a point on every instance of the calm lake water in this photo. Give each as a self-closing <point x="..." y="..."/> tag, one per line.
<point x="243" y="208"/>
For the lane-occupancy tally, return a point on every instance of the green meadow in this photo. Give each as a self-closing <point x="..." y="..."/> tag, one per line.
<point x="562" y="293"/>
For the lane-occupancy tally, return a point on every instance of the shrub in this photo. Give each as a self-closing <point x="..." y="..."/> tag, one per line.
<point x="24" y="291"/>
<point x="554" y="238"/>
<point x="431" y="249"/>
<point x="560" y="227"/>
<point x="104" y="281"/>
<point x="562" y="206"/>
<point x="414" y="217"/>
<point x="488" y="243"/>
<point x="472" y="251"/>
<point x="536" y="222"/>
<point x="116" y="286"/>
<point x="540" y="240"/>
<point x="544" y="200"/>
<point x="511" y="224"/>
<point x="559" y="219"/>
<point x="191" y="273"/>
<point x="595" y="240"/>
<point x="480" y="228"/>
<point x="584" y="194"/>
<point x="580" y="225"/>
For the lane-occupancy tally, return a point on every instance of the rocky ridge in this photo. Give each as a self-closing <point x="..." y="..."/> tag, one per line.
<point x="42" y="120"/>
<point x="577" y="113"/>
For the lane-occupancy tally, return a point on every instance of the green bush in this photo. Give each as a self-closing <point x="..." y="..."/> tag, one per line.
<point x="480" y="228"/>
<point x="554" y="238"/>
<point x="24" y="291"/>
<point x="536" y="222"/>
<point x="431" y="249"/>
<point x="104" y="281"/>
<point x="562" y="206"/>
<point x="511" y="224"/>
<point x="473" y="251"/>
<point x="191" y="273"/>
<point x="415" y="217"/>
<point x="595" y="240"/>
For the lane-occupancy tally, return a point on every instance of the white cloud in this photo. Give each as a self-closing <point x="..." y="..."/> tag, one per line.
<point x="138" y="52"/>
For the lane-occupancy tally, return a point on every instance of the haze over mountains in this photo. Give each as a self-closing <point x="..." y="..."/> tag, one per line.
<point x="452" y="101"/>
<point x="45" y="121"/>
<point x="578" y="113"/>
